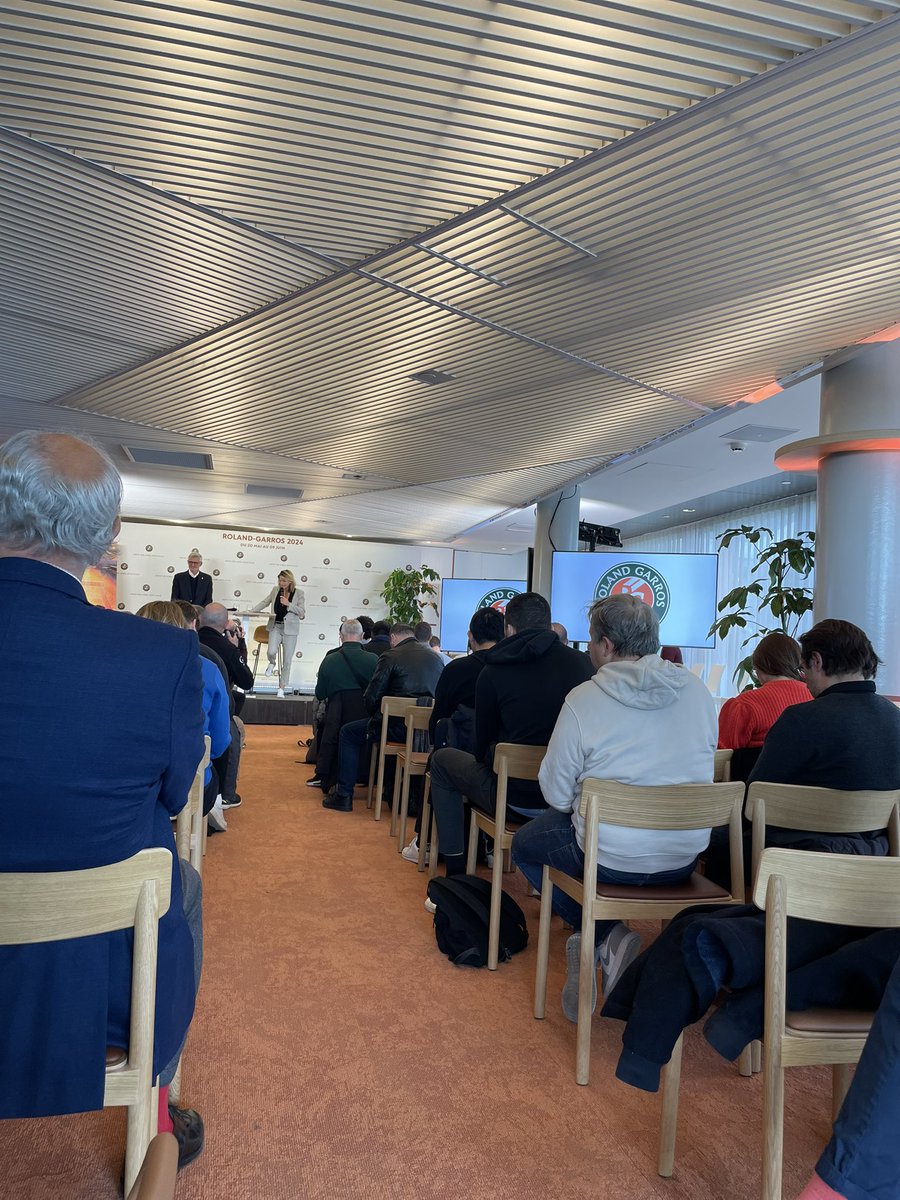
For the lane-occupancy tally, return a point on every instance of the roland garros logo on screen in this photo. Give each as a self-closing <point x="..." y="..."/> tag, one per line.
<point x="635" y="579"/>
<point x="498" y="598"/>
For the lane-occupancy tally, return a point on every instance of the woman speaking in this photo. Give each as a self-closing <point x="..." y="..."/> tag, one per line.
<point x="288" y="610"/>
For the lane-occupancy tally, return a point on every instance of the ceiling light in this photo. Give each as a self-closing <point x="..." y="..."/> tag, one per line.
<point x="689" y="510"/>
<point x="431" y="377"/>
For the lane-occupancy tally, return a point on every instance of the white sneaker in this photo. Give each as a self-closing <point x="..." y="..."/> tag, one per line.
<point x="430" y="906"/>
<point x="216" y="816"/>
<point x="281" y="693"/>
<point x="616" y="953"/>
<point x="270" y="669"/>
<point x="411" y="852"/>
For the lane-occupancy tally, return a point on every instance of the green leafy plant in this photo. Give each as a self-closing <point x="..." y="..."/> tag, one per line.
<point x="407" y="592"/>
<point x="787" y="603"/>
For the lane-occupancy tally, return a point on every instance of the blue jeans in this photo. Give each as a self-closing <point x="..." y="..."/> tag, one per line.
<point x="550" y="839"/>
<point x="351" y="742"/>
<point x="862" y="1160"/>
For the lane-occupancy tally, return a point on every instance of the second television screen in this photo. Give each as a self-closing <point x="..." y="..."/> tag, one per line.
<point x="680" y="587"/>
<point x="461" y="597"/>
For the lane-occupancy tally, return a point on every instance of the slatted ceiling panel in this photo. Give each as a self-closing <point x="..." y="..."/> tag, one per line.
<point x="270" y="111"/>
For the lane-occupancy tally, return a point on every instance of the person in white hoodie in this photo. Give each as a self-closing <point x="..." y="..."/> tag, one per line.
<point x="641" y="721"/>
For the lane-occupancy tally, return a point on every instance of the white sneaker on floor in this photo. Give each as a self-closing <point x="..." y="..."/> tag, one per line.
<point x="216" y="816"/>
<point x="280" y="693"/>
<point x="616" y="953"/>
<point x="569" y="996"/>
<point x="270" y="669"/>
<point x="411" y="852"/>
<point x="430" y="906"/>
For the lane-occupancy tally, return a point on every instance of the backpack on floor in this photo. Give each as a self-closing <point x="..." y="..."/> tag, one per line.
<point x="461" y="921"/>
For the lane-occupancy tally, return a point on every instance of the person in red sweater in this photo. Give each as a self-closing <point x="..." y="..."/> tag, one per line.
<point x="746" y="719"/>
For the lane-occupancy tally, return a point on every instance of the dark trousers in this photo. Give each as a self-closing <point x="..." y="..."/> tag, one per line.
<point x="354" y="737"/>
<point x="456" y="777"/>
<point x="342" y="709"/>
<point x="192" y="896"/>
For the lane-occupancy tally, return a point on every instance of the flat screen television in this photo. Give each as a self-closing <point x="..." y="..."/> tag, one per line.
<point x="461" y="597"/>
<point x="680" y="587"/>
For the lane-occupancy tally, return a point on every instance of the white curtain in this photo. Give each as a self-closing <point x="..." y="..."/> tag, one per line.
<point x="785" y="518"/>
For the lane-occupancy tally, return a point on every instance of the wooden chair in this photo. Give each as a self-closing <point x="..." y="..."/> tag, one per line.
<point x="410" y="763"/>
<point x="428" y="838"/>
<point x="391" y="706"/>
<point x="840" y="889"/>
<point x="157" y="1176"/>
<point x="681" y="807"/>
<point x="190" y="821"/>
<point x="261" y="637"/>
<point x="53" y="906"/>
<point x="722" y="766"/>
<point x="511" y="761"/>
<point x="826" y="810"/>
<point x="714" y="678"/>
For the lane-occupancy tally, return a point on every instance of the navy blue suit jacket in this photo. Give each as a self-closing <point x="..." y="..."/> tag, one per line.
<point x="102" y="730"/>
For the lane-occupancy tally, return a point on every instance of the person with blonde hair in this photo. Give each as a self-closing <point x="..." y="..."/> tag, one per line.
<point x="288" y="610"/>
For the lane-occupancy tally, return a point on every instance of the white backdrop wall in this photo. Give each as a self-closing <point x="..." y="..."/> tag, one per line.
<point x="341" y="577"/>
<point x="785" y="519"/>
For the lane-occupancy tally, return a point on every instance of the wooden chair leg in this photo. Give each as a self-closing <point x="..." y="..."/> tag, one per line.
<point x="745" y="1061"/>
<point x="668" y="1129"/>
<point x="425" y="823"/>
<point x="494" y="917"/>
<point x="373" y="760"/>
<point x="379" y="786"/>
<point x="137" y="1136"/>
<point x="175" y="1085"/>
<point x="587" y="981"/>
<point x="472" y="859"/>
<point x="543" y="948"/>
<point x="773" y="1122"/>
<point x="395" y="796"/>
<point x="756" y="1048"/>
<point x="841" y="1074"/>
<point x="404" y="810"/>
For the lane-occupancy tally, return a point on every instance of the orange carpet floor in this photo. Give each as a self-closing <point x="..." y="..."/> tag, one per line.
<point x="336" y="1053"/>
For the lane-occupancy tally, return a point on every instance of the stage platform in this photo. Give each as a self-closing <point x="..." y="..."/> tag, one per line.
<point x="263" y="709"/>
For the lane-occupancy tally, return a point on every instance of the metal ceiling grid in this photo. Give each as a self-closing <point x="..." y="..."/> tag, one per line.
<point x="349" y="127"/>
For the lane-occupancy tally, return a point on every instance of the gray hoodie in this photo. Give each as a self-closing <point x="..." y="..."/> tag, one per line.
<point x="647" y="723"/>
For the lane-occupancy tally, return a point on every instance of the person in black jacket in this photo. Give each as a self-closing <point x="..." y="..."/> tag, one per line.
<point x="518" y="696"/>
<point x="407" y="669"/>
<point x="456" y="687"/>
<point x="213" y="633"/>
<point x="380" y="641"/>
<point x="193" y="585"/>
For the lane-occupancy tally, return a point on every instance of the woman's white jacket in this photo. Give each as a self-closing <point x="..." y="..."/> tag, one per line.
<point x="296" y="610"/>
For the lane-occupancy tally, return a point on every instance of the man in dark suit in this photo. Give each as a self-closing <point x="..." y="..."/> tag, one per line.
<point x="91" y="771"/>
<point x="193" y="585"/>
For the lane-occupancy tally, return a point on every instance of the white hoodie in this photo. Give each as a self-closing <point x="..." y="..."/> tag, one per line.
<point x="647" y="723"/>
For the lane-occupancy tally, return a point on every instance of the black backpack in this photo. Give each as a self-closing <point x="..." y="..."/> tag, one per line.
<point x="461" y="921"/>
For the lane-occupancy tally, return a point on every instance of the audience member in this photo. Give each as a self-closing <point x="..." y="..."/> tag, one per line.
<point x="435" y="643"/>
<point x="193" y="585"/>
<point x="561" y="632"/>
<point x="640" y="721"/>
<point x="343" y="676"/>
<point x="380" y="641"/>
<point x="409" y="668"/>
<point x="214" y="632"/>
<point x="745" y="720"/>
<point x="367" y="626"/>
<point x="98" y="765"/>
<point x="672" y="654"/>
<point x="518" y="695"/>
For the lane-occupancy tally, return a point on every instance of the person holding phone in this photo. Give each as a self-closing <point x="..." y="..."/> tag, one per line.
<point x="288" y="610"/>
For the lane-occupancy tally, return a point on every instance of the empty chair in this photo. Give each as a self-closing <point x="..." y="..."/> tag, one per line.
<point x="411" y="762"/>
<point x="714" y="678"/>
<point x="391" y="706"/>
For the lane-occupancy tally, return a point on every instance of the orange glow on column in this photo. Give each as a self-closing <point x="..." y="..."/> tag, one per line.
<point x="762" y="393"/>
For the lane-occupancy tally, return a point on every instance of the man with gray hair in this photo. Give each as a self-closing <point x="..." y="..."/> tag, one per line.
<point x="640" y="721"/>
<point x="343" y="677"/>
<point x="92" y="768"/>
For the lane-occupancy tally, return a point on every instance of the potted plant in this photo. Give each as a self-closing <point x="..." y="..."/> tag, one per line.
<point x="786" y="602"/>
<point x="407" y="591"/>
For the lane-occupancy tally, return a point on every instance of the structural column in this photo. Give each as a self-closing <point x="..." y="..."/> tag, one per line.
<point x="857" y="455"/>
<point x="555" y="528"/>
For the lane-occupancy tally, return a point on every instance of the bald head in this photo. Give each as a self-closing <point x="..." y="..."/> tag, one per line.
<point x="59" y="499"/>
<point x="214" y="616"/>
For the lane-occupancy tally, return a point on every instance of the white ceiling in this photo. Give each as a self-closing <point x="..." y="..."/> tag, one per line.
<point x="706" y="201"/>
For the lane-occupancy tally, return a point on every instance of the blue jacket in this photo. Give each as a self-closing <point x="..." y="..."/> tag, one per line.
<point x="217" y="719"/>
<point x="102" y="732"/>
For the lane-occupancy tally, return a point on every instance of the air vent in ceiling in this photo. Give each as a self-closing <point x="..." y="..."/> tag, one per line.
<point x="757" y="433"/>
<point x="351" y="475"/>
<point x="267" y="489"/>
<point x="431" y="377"/>
<point x="518" y="528"/>
<point x="186" y="460"/>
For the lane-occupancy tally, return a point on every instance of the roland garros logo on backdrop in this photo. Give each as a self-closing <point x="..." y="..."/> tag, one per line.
<point x="635" y="579"/>
<point x="498" y="598"/>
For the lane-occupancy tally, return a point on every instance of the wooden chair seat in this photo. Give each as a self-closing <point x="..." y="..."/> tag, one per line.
<point x="696" y="890"/>
<point x="829" y="1022"/>
<point x="418" y="758"/>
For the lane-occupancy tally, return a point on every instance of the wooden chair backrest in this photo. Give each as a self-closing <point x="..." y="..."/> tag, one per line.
<point x="714" y="679"/>
<point x="824" y="810"/>
<point x="675" y="806"/>
<point x="838" y="889"/>
<point x="722" y="766"/>
<point x="187" y="820"/>
<point x="514" y="761"/>
<point x="417" y="718"/>
<point x="50" y="906"/>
